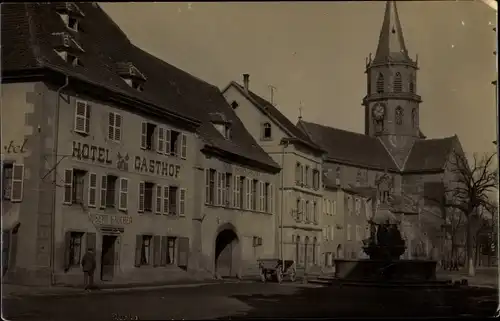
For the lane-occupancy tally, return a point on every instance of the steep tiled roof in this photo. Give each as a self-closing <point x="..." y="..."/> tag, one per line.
<point x="269" y="109"/>
<point x="27" y="43"/>
<point x="429" y="154"/>
<point x="353" y="148"/>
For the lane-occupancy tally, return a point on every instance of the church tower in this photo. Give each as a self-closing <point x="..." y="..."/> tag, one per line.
<point x="391" y="103"/>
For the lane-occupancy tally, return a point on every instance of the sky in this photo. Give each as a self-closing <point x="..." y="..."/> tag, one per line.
<point x="314" y="55"/>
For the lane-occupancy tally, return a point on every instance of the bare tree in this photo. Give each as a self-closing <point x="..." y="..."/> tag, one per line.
<point x="454" y="224"/>
<point x="469" y="191"/>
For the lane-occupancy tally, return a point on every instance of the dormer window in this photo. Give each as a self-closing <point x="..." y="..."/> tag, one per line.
<point x="69" y="58"/>
<point x="266" y="131"/>
<point x="131" y="75"/>
<point x="222" y="124"/>
<point x="70" y="13"/>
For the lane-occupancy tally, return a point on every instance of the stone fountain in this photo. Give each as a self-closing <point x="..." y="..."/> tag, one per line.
<point x="384" y="247"/>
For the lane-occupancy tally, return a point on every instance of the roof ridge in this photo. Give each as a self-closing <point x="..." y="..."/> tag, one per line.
<point x="339" y="129"/>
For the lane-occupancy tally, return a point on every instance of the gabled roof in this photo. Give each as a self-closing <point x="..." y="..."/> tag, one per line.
<point x="26" y="46"/>
<point x="272" y="112"/>
<point x="349" y="147"/>
<point x="429" y="154"/>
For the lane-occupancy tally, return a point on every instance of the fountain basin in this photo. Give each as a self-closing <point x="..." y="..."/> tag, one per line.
<point x="382" y="270"/>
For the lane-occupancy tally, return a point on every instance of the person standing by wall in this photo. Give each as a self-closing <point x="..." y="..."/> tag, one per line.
<point x="88" y="267"/>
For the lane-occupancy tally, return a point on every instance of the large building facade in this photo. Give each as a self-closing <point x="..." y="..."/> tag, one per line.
<point x="108" y="150"/>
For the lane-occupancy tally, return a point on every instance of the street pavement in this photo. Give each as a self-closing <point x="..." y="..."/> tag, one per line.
<point x="253" y="300"/>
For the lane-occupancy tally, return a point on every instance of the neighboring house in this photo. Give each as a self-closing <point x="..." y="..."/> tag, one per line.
<point x="109" y="149"/>
<point x="299" y="193"/>
<point x="333" y="243"/>
<point x="393" y="143"/>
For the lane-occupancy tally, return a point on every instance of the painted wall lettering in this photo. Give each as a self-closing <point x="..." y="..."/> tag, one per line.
<point x="141" y="164"/>
<point x="15" y="147"/>
<point x="91" y="152"/>
<point x="99" y="219"/>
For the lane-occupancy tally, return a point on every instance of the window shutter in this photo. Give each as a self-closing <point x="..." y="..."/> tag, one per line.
<point x="142" y="192"/>
<point x="235" y="191"/>
<point x="156" y="250"/>
<point x="82" y="117"/>
<point x="168" y="142"/>
<point x="223" y="189"/>
<point x="104" y="187"/>
<point x="92" y="190"/>
<point x="183" y="252"/>
<point x="166" y="201"/>
<point x="182" y="202"/>
<point x="158" y="195"/>
<point x="217" y="188"/>
<point x="249" y="193"/>
<point x="118" y="127"/>
<point x="111" y="126"/>
<point x="68" y="186"/>
<point x="163" y="256"/>
<point x="138" y="250"/>
<point x="271" y="198"/>
<point x="207" y="185"/>
<point x="123" y="202"/>
<point x="315" y="213"/>
<point x="91" y="241"/>
<point x="87" y="118"/>
<point x="161" y="140"/>
<point x="17" y="183"/>
<point x="144" y="134"/>
<point x="67" y="253"/>
<point x="184" y="146"/>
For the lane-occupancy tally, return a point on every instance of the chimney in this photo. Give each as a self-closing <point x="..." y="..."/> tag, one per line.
<point x="246" y="80"/>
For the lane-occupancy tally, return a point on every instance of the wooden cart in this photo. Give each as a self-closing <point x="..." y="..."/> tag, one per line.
<point x="277" y="269"/>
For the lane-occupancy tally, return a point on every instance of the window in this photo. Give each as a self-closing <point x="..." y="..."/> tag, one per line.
<point x="414" y="117"/>
<point x="147" y="135"/>
<point x="73" y="60"/>
<point x="74" y="181"/>
<point x="172" y="205"/>
<point x="358" y="178"/>
<point x="306" y="176"/>
<point x="210" y="186"/>
<point x="223" y="129"/>
<point x="267" y="197"/>
<point x="249" y="190"/>
<point x="399" y="115"/>
<point x="92" y="197"/>
<point x="316" y="179"/>
<point x="115" y="127"/>
<point x="412" y="87"/>
<point x="174" y="141"/>
<point x="75" y="248"/>
<point x="171" y="250"/>
<point x="380" y="84"/>
<point x="298" y="174"/>
<point x="337" y="176"/>
<point x="368" y="209"/>
<point x="334" y="207"/>
<point x="7" y="181"/>
<point x="314" y="249"/>
<point x="220" y="188"/>
<point x="308" y="212"/>
<point x="358" y="233"/>
<point x="398" y="85"/>
<point x="166" y="199"/>
<point x="146" y="250"/>
<point x="266" y="131"/>
<point x="299" y="209"/>
<point x="241" y="189"/>
<point x="146" y="190"/>
<point x="82" y="117"/>
<point x="160" y="143"/>
<point x="254" y="196"/>
<point x="358" y="206"/>
<point x="349" y="205"/>
<point x="227" y="189"/>
<point x="158" y="199"/>
<point x="331" y="230"/>
<point x="234" y="105"/>
<point x="315" y="213"/>
<point x="72" y="23"/>
<point x="110" y="190"/>
<point x="348" y="232"/>
<point x="236" y="191"/>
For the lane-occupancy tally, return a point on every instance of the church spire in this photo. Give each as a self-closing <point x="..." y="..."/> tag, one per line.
<point x="391" y="43"/>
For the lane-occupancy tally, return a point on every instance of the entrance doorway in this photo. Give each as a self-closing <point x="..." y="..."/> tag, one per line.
<point x="108" y="257"/>
<point x="226" y="250"/>
<point x="340" y="253"/>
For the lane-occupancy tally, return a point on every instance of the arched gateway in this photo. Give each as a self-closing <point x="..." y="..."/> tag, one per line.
<point x="227" y="251"/>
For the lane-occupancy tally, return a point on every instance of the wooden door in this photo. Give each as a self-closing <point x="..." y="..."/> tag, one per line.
<point x="225" y="260"/>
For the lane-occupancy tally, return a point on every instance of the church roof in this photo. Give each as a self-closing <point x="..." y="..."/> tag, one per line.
<point x="350" y="147"/>
<point x="28" y="49"/>
<point x="391" y="44"/>
<point x="429" y="154"/>
<point x="269" y="109"/>
<point x="366" y="151"/>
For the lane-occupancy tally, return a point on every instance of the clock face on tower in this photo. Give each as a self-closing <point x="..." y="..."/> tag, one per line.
<point x="378" y="111"/>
